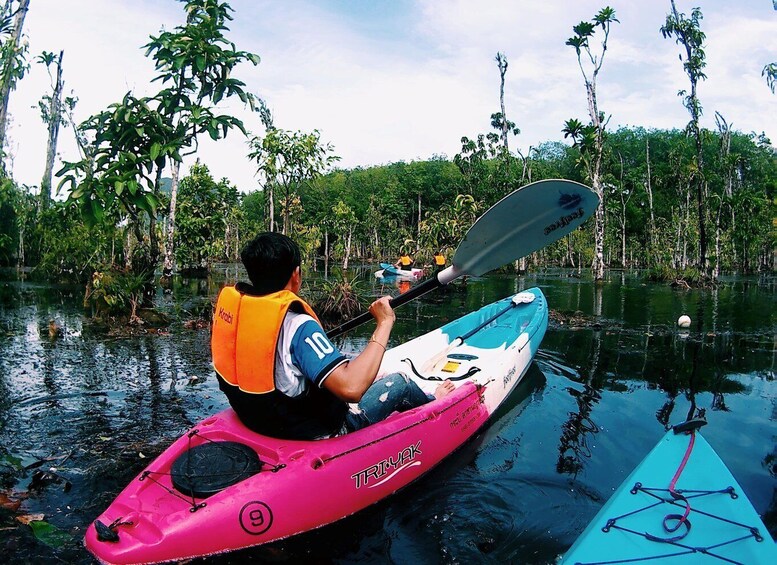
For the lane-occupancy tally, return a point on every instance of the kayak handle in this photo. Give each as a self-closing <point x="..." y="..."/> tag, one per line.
<point x="689" y="425"/>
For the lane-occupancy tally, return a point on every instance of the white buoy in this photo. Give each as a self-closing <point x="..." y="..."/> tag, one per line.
<point x="684" y="321"/>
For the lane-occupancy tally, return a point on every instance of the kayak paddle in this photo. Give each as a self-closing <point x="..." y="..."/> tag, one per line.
<point x="521" y="223"/>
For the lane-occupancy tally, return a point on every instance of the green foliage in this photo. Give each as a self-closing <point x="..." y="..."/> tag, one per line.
<point x="63" y="247"/>
<point x="687" y="33"/>
<point x="50" y="534"/>
<point x="13" y="61"/>
<point x="134" y="140"/>
<point x="252" y="212"/>
<point x="205" y="210"/>
<point x="289" y="161"/>
<point x="770" y="72"/>
<point x="445" y="227"/>
<point x="130" y="140"/>
<point x="10" y="198"/>
<point x="337" y="301"/>
<point x="664" y="273"/>
<point x="114" y="292"/>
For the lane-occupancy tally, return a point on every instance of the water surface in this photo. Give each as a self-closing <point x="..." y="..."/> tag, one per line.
<point x="83" y="413"/>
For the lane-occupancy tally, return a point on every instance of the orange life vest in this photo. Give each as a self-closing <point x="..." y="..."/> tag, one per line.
<point x="439" y="260"/>
<point x="245" y="336"/>
<point x="405" y="260"/>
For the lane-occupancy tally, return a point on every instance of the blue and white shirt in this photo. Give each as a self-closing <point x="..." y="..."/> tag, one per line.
<point x="304" y="356"/>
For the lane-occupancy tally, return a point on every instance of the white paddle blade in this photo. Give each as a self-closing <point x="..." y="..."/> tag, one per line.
<point x="523" y="222"/>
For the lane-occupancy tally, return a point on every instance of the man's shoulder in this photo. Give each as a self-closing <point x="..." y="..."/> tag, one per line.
<point x="295" y="320"/>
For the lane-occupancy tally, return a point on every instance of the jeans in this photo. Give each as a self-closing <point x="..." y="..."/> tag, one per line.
<point x="392" y="393"/>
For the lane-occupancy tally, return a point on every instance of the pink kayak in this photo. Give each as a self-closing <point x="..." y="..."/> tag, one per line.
<point x="264" y="489"/>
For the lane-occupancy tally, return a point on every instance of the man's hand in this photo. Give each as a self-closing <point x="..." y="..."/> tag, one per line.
<point x="382" y="311"/>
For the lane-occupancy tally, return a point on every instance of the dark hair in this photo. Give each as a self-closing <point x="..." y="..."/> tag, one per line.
<point x="270" y="259"/>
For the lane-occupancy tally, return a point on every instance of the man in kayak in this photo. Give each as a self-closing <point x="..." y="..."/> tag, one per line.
<point x="281" y="374"/>
<point x="439" y="260"/>
<point x="405" y="262"/>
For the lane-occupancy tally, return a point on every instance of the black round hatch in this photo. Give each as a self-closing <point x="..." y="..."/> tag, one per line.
<point x="209" y="468"/>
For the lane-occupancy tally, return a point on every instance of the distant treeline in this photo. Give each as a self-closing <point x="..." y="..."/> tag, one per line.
<point x="371" y="214"/>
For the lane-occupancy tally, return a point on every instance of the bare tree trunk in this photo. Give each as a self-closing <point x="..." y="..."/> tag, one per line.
<point x="55" y="117"/>
<point x="622" y="218"/>
<point x="418" y="225"/>
<point x="649" y="189"/>
<point x="678" y="244"/>
<point x="687" y="224"/>
<point x="501" y="61"/>
<point x="733" y="239"/>
<point x="169" y="262"/>
<point x="7" y="72"/>
<point x="326" y="253"/>
<point x="271" y="201"/>
<point x="236" y="255"/>
<point x="129" y="250"/>
<point x="20" y="253"/>
<point x="347" y="248"/>
<point x="227" y="234"/>
<point x="599" y="218"/>
<point x="716" y="267"/>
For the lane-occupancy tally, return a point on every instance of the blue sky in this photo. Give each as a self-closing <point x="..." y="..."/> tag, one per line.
<point x="403" y="80"/>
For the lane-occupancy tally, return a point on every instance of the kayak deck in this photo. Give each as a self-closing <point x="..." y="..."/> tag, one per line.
<point x="302" y="485"/>
<point x="634" y="525"/>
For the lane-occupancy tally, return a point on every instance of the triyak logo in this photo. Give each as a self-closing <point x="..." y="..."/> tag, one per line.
<point x="386" y="469"/>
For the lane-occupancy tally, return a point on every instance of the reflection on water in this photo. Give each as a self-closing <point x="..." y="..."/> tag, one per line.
<point x="81" y="413"/>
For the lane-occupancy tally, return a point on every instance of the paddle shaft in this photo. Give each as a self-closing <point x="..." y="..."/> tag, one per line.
<point x="418" y="290"/>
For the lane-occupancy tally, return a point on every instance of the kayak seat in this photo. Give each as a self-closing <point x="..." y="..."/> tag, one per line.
<point x="206" y="469"/>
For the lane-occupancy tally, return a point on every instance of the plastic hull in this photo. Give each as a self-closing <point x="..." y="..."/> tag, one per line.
<point x="720" y="522"/>
<point x="390" y="271"/>
<point x="318" y="482"/>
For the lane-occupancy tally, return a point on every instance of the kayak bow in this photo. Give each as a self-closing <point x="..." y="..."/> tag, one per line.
<point x="680" y="505"/>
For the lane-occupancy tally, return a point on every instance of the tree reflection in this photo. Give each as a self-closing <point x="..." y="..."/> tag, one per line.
<point x="573" y="445"/>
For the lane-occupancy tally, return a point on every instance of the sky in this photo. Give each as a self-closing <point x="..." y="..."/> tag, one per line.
<point x="404" y="80"/>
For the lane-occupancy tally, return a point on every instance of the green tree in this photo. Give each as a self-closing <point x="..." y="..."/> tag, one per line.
<point x="52" y="114"/>
<point x="687" y="33"/>
<point x="344" y="223"/>
<point x="118" y="178"/>
<point x="10" y="199"/>
<point x="445" y="228"/>
<point x="203" y="217"/>
<point x="288" y="161"/>
<point x="134" y="139"/>
<point x="196" y="61"/>
<point x="590" y="139"/>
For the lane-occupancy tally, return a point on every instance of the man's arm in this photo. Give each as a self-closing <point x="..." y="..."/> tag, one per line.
<point x="351" y="380"/>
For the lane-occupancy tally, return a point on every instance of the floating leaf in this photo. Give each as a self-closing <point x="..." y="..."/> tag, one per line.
<point x="12" y="461"/>
<point x="8" y="503"/>
<point x="49" y="534"/>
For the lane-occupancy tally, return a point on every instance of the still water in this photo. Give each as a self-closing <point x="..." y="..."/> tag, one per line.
<point x="82" y="413"/>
